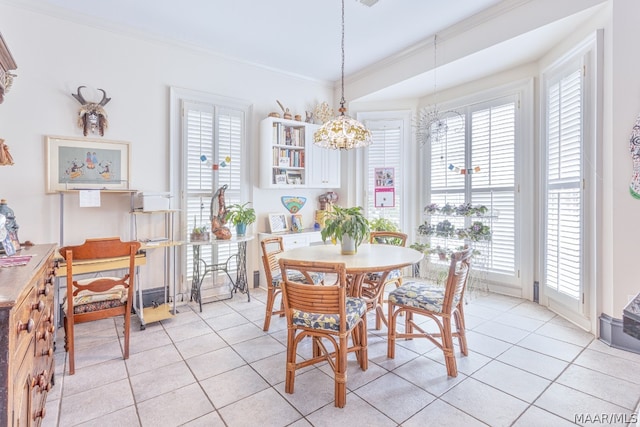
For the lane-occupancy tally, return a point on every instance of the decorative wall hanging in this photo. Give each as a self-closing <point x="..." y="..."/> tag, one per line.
<point x="92" y="117"/>
<point x="5" y="155"/>
<point x="464" y="171"/>
<point x="432" y="125"/>
<point x="85" y="164"/>
<point x="293" y="203"/>
<point x="215" y="166"/>
<point x="634" y="149"/>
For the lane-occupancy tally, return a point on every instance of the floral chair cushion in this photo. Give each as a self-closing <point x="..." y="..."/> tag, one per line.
<point x="420" y="295"/>
<point x="356" y="308"/>
<point x="89" y="301"/>
<point x="297" y="277"/>
<point x="393" y="274"/>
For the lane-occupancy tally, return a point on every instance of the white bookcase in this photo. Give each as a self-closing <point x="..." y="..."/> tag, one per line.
<point x="288" y="158"/>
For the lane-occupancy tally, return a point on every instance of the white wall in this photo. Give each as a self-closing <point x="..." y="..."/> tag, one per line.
<point x="55" y="56"/>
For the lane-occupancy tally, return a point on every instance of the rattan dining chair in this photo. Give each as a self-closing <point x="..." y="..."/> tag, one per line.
<point x="271" y="247"/>
<point x="438" y="303"/>
<point x="373" y="289"/>
<point x="325" y="314"/>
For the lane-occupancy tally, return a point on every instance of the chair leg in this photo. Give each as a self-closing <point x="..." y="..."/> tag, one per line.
<point x="269" y="309"/>
<point x="391" y="332"/>
<point x="291" y="362"/>
<point x="69" y="339"/>
<point x="447" y="347"/>
<point x="341" y="374"/>
<point x="127" y="328"/>
<point x="461" y="330"/>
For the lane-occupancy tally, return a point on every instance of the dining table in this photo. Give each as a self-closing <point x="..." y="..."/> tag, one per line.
<point x="369" y="258"/>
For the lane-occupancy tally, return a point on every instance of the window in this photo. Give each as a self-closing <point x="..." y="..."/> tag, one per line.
<point x="477" y="165"/>
<point x="384" y="170"/>
<point x="213" y="141"/>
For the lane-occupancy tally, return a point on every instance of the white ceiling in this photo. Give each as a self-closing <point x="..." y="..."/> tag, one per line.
<point x="302" y="37"/>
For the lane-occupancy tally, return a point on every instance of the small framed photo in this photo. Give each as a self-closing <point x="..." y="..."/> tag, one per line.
<point x="85" y="163"/>
<point x="281" y="179"/>
<point x="278" y="223"/>
<point x="294" y="177"/>
<point x="296" y="223"/>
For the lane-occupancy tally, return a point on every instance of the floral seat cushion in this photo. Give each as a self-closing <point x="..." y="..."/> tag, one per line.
<point x="297" y="277"/>
<point x="393" y="274"/>
<point x="356" y="308"/>
<point x="89" y="301"/>
<point x="420" y="295"/>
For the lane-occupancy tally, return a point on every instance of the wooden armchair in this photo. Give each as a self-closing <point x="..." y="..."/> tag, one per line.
<point x="324" y="314"/>
<point x="373" y="287"/>
<point x="271" y="247"/>
<point x="100" y="297"/>
<point x="438" y="303"/>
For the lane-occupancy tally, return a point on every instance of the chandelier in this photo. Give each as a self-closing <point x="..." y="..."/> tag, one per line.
<point x="343" y="132"/>
<point x="432" y="125"/>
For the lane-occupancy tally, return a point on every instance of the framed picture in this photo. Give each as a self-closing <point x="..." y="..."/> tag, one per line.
<point x="86" y="164"/>
<point x="278" y="223"/>
<point x="294" y="177"/>
<point x="296" y="223"/>
<point x="281" y="179"/>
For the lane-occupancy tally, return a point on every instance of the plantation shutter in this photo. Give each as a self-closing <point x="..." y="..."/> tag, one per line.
<point x="214" y="136"/>
<point x="564" y="198"/>
<point x="384" y="152"/>
<point x="493" y="185"/>
<point x="484" y="149"/>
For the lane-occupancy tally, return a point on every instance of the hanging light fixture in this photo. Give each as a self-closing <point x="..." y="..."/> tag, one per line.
<point x="433" y="125"/>
<point x="343" y="132"/>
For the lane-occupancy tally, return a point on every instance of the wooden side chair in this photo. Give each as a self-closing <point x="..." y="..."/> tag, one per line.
<point x="100" y="297"/>
<point x="271" y="247"/>
<point x="438" y="303"/>
<point x="373" y="288"/>
<point x="323" y="313"/>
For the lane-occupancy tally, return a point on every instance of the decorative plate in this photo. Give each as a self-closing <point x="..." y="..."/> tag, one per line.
<point x="293" y="203"/>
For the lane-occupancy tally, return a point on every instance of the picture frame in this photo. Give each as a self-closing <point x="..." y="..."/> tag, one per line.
<point x="296" y="223"/>
<point x="294" y="178"/>
<point x="86" y="164"/>
<point x="278" y="222"/>
<point x="281" y="179"/>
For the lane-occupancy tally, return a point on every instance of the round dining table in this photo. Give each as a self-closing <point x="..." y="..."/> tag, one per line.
<point x="370" y="258"/>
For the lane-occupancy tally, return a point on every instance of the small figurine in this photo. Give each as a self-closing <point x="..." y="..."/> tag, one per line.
<point x="287" y="113"/>
<point x="309" y="116"/>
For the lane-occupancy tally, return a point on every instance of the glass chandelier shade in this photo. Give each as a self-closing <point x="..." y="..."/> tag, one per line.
<point x="343" y="132"/>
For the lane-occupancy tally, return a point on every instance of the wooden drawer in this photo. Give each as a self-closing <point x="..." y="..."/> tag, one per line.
<point x="23" y="324"/>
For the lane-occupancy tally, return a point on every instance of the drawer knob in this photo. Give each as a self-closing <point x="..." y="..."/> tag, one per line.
<point x="44" y="291"/>
<point x="38" y="306"/>
<point x="44" y="335"/>
<point x="39" y="414"/>
<point x="47" y="353"/>
<point x="25" y="326"/>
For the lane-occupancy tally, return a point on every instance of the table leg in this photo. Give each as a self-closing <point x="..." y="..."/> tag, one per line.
<point x="241" y="273"/>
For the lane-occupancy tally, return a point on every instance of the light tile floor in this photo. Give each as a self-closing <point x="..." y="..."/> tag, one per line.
<point x="526" y="367"/>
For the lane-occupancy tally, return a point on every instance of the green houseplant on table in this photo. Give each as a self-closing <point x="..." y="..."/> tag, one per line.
<point x="241" y="216"/>
<point x="347" y="225"/>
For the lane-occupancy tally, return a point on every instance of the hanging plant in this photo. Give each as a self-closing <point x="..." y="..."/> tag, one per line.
<point x="445" y="229"/>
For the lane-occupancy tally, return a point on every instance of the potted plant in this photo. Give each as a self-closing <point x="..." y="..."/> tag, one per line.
<point x="347" y="225"/>
<point x="241" y="216"/>
<point x="199" y="234"/>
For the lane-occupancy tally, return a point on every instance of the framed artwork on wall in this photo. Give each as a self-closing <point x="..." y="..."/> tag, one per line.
<point x="86" y="164"/>
<point x="278" y="223"/>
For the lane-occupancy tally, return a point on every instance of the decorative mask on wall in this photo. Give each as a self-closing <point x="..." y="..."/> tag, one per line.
<point x="92" y="117"/>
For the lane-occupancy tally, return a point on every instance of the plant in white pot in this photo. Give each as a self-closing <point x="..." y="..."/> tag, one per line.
<point x="346" y="225"/>
<point x="241" y="216"/>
